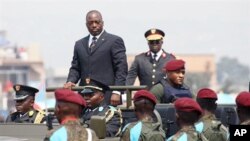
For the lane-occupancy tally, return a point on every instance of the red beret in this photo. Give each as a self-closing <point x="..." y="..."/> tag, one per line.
<point x="175" y="65"/>
<point x="207" y="93"/>
<point x="145" y="94"/>
<point x="187" y="105"/>
<point x="69" y="96"/>
<point x="243" y="99"/>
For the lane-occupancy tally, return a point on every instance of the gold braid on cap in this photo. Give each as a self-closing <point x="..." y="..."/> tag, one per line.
<point x="93" y="87"/>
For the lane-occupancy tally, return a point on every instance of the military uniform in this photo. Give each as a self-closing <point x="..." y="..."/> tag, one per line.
<point x="148" y="67"/>
<point x="187" y="134"/>
<point x="243" y="106"/>
<point x="148" y="70"/>
<point x="113" y="118"/>
<point x="165" y="93"/>
<point x="212" y="129"/>
<point x="144" y="130"/>
<point x="32" y="116"/>
<point x="71" y="130"/>
<point x="185" y="106"/>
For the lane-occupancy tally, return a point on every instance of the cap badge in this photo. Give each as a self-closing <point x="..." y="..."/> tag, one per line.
<point x="153" y="31"/>
<point x="17" y="87"/>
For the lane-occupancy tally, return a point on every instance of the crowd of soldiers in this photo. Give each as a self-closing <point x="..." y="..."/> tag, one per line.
<point x="73" y="110"/>
<point x="161" y="72"/>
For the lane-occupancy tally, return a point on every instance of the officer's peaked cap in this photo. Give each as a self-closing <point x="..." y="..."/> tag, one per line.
<point x="23" y="91"/>
<point x="94" y="86"/>
<point x="154" y="34"/>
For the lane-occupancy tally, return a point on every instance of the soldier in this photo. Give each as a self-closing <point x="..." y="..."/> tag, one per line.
<point x="172" y="87"/>
<point x="212" y="128"/>
<point x="243" y="107"/>
<point x="148" y="66"/>
<point x="94" y="96"/>
<point x="188" y="112"/>
<point x="146" y="129"/>
<point x="68" y="109"/>
<point x="25" y="112"/>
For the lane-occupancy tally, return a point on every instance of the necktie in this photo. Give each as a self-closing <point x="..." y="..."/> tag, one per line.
<point x="93" y="43"/>
<point x="155" y="55"/>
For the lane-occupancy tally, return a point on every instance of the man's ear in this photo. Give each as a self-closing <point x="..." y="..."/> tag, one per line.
<point x="31" y="101"/>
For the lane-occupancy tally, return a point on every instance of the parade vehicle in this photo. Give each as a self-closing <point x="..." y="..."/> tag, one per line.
<point x="164" y="112"/>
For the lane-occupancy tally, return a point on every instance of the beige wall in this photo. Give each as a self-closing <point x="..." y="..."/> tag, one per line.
<point x="195" y="63"/>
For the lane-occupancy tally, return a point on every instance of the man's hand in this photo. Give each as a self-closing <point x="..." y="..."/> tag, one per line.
<point x="69" y="85"/>
<point x="115" y="99"/>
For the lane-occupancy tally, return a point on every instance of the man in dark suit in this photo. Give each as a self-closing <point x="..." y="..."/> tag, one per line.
<point x="148" y="66"/>
<point x="101" y="56"/>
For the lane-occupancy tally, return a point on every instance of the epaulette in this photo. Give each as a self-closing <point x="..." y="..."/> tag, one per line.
<point x="39" y="117"/>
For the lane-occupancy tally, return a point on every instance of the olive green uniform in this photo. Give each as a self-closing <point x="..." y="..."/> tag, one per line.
<point x="187" y="134"/>
<point x="212" y="128"/>
<point x="144" y="130"/>
<point x="71" y="131"/>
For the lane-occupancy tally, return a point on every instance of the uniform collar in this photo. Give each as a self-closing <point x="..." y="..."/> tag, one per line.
<point x="66" y="119"/>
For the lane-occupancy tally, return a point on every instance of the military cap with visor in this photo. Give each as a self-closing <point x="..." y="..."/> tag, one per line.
<point x="94" y="86"/>
<point x="154" y="34"/>
<point x="23" y="91"/>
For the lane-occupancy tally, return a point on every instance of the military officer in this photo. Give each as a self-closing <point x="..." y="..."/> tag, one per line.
<point x="172" y="87"/>
<point x="69" y="106"/>
<point x="146" y="129"/>
<point x="25" y="112"/>
<point x="188" y="112"/>
<point x="212" y="128"/>
<point x="94" y="96"/>
<point x="243" y="107"/>
<point x="148" y="66"/>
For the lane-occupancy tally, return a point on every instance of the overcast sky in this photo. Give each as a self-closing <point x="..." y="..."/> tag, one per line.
<point x="220" y="27"/>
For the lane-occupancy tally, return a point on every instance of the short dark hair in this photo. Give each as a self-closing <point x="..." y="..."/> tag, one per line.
<point x="208" y="104"/>
<point x="188" y="117"/>
<point x="143" y="105"/>
<point x="244" y="110"/>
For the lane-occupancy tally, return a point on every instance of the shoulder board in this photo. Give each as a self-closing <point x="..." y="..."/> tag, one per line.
<point x="41" y="111"/>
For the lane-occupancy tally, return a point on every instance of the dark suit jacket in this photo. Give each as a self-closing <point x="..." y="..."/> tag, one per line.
<point x="106" y="63"/>
<point x="148" y="73"/>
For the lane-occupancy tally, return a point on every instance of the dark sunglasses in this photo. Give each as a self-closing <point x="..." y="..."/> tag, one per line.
<point x="154" y="42"/>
